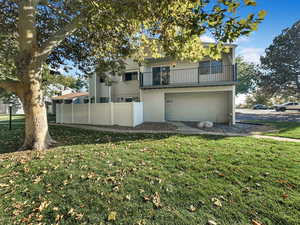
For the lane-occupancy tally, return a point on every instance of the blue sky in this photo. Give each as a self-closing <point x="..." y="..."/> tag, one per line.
<point x="281" y="14"/>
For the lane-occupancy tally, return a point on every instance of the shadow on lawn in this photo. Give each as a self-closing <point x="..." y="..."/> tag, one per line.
<point x="10" y="141"/>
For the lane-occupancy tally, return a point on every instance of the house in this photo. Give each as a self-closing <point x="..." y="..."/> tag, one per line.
<point x="169" y="90"/>
<point x="3" y="107"/>
<point x="69" y="98"/>
<point x="17" y="108"/>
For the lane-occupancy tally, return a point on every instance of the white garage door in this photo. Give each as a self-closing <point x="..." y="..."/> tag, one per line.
<point x="212" y="106"/>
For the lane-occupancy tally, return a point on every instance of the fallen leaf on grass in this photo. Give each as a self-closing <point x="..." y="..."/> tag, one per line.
<point x="112" y="216"/>
<point x="128" y="197"/>
<point x="254" y="222"/>
<point x="216" y="202"/>
<point x="285" y="196"/>
<point x="156" y="200"/>
<point x="4" y="185"/>
<point x="43" y="205"/>
<point x="192" y="208"/>
<point x="211" y="222"/>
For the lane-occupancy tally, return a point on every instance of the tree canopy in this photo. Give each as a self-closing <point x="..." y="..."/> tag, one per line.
<point x="282" y="64"/>
<point x="92" y="32"/>
<point x="248" y="76"/>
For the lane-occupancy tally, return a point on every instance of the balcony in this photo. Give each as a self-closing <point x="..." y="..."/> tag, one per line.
<point x="166" y="77"/>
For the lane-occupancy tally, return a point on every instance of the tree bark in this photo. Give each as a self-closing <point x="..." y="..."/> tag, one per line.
<point x="37" y="135"/>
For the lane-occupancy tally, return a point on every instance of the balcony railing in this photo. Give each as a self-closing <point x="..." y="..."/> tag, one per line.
<point x="210" y="75"/>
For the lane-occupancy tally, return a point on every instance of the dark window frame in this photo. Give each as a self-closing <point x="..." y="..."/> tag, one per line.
<point x="130" y="76"/>
<point x="209" y="67"/>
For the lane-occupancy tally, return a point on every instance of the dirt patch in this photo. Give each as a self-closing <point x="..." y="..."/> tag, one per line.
<point x="144" y="126"/>
<point x="237" y="128"/>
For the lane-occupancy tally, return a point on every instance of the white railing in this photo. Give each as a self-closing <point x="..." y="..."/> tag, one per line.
<point x="128" y="114"/>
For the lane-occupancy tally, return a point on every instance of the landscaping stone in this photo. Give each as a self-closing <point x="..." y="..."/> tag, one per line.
<point x="205" y="124"/>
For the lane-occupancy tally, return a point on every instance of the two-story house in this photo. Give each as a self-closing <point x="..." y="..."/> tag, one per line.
<point x="175" y="90"/>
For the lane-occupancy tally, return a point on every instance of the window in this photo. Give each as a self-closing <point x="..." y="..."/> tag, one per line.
<point x="103" y="100"/>
<point x="204" y="67"/>
<point x="161" y="75"/>
<point x="211" y="67"/>
<point x="102" y="79"/>
<point x="130" y="76"/>
<point x="216" y="67"/>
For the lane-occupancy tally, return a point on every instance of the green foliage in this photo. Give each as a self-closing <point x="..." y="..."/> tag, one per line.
<point x="282" y="64"/>
<point x="259" y="96"/>
<point x="108" y="31"/>
<point x="284" y="129"/>
<point x="92" y="174"/>
<point x="248" y="74"/>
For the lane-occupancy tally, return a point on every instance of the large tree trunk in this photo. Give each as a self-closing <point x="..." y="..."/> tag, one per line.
<point x="37" y="136"/>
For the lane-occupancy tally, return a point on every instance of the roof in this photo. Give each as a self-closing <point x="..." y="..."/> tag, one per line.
<point x="71" y="96"/>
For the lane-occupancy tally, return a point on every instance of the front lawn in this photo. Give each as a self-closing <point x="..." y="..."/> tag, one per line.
<point x="104" y="178"/>
<point x="285" y="129"/>
<point x="20" y="118"/>
<point x="5" y="118"/>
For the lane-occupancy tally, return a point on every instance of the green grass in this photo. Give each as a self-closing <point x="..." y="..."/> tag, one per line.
<point x="285" y="129"/>
<point x="20" y="118"/>
<point x="93" y="174"/>
<point x="17" y="118"/>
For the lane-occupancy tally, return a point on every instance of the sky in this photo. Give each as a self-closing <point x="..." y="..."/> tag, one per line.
<point x="281" y="14"/>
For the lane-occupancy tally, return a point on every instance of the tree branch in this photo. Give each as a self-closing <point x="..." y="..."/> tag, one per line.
<point x="60" y="36"/>
<point x="10" y="85"/>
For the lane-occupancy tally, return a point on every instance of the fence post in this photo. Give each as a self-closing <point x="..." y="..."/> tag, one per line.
<point x="112" y="113"/>
<point x="62" y="112"/>
<point x="72" y="112"/>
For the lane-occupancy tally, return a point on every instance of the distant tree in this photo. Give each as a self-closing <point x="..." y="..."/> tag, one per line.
<point x="282" y="64"/>
<point x="90" y="32"/>
<point x="259" y="96"/>
<point x="248" y="74"/>
<point x="80" y="84"/>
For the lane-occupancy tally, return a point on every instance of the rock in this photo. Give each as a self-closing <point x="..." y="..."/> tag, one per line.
<point x="205" y="124"/>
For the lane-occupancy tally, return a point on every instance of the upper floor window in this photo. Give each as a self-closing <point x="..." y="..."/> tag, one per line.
<point x="130" y="76"/>
<point x="211" y="67"/>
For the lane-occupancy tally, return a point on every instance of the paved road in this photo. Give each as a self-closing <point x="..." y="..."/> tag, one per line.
<point x="271" y="115"/>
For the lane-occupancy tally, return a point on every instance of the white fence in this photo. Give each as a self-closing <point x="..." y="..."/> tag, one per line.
<point x="128" y="114"/>
<point x="3" y="108"/>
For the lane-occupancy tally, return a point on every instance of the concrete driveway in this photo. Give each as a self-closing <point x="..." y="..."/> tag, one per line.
<point x="270" y="115"/>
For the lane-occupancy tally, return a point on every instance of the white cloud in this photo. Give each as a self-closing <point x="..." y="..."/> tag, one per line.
<point x="242" y="39"/>
<point x="251" y="54"/>
<point x="206" y="38"/>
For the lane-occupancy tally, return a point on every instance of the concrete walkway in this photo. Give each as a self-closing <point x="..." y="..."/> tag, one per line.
<point x="181" y="129"/>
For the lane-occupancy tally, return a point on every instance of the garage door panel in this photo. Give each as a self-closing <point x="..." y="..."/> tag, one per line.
<point x="197" y="107"/>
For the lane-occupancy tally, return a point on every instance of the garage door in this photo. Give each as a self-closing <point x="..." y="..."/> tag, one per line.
<point x="197" y="106"/>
